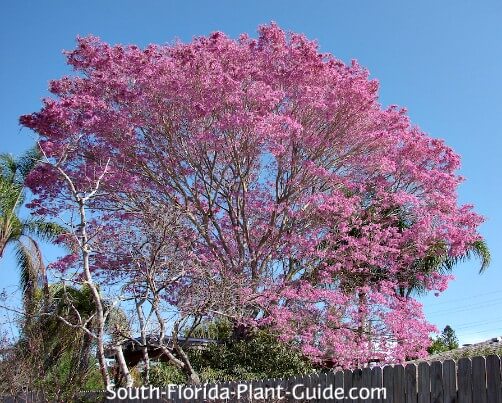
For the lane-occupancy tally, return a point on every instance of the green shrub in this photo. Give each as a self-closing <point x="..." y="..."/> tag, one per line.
<point x="257" y="355"/>
<point x="162" y="373"/>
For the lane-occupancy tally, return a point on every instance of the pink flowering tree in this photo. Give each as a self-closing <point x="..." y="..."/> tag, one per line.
<point x="308" y="200"/>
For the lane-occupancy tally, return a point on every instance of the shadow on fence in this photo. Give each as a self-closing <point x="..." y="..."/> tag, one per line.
<point x="476" y="380"/>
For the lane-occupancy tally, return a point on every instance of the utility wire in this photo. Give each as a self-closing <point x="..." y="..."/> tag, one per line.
<point x="478" y="323"/>
<point x="485" y="331"/>
<point x="469" y="297"/>
<point x="461" y="308"/>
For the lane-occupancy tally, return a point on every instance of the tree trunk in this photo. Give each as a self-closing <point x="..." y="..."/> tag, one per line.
<point x="144" y="347"/>
<point x="100" y="317"/>
<point x="187" y="368"/>
<point x="192" y="375"/>
<point x="123" y="366"/>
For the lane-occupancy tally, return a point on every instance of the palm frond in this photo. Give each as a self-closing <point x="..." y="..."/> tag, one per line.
<point x="27" y="162"/>
<point x="15" y="170"/>
<point x="42" y="279"/>
<point x="42" y="229"/>
<point x="13" y="173"/>
<point x="11" y="197"/>
<point x="478" y="249"/>
<point x="27" y="263"/>
<point x="66" y="297"/>
<point x="8" y="167"/>
<point x="438" y="260"/>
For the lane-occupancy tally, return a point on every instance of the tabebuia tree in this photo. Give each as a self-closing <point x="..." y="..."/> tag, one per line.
<point x="304" y="198"/>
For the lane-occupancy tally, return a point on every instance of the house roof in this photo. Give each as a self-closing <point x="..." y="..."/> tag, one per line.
<point x="487" y="347"/>
<point x="133" y="352"/>
<point x="168" y="341"/>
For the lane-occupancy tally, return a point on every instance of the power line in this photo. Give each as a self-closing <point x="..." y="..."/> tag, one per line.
<point x="491" y="327"/>
<point x="491" y="323"/>
<point x="469" y="307"/>
<point x="467" y="297"/>
<point x="474" y="324"/>
<point x="499" y="329"/>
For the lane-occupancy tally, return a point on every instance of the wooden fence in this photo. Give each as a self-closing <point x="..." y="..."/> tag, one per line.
<point x="476" y="380"/>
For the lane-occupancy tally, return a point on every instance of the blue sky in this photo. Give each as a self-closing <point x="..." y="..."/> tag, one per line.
<point x="441" y="60"/>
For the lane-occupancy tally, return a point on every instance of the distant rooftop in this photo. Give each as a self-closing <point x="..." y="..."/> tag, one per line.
<point x="487" y="347"/>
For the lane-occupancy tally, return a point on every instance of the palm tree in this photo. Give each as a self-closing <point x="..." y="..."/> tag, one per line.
<point x="439" y="261"/>
<point x="59" y="356"/>
<point x="76" y="304"/>
<point x="23" y="234"/>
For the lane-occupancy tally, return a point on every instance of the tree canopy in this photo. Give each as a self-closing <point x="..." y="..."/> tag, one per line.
<point x="302" y="202"/>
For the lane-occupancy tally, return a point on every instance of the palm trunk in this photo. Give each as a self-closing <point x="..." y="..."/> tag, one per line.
<point x="45" y="284"/>
<point x="3" y="244"/>
<point x="83" y="363"/>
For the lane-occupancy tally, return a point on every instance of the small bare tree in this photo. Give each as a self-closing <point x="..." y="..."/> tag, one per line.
<point x="77" y="195"/>
<point x="170" y="287"/>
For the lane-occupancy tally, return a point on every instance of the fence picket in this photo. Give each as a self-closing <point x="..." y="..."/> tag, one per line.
<point x="339" y="383"/>
<point x="330" y="382"/>
<point x="424" y="383"/>
<point x="464" y="380"/>
<point x="493" y="379"/>
<point x="322" y="382"/>
<point x="177" y="398"/>
<point x="366" y="380"/>
<point x="283" y="383"/>
<point x="357" y="378"/>
<point x="436" y="373"/>
<point x="411" y="383"/>
<point x="256" y="386"/>
<point x="479" y="379"/>
<point x="377" y="382"/>
<point x="347" y="384"/>
<point x="449" y="382"/>
<point x="290" y="385"/>
<point x="399" y="384"/>
<point x="233" y="388"/>
<point x="388" y="383"/>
